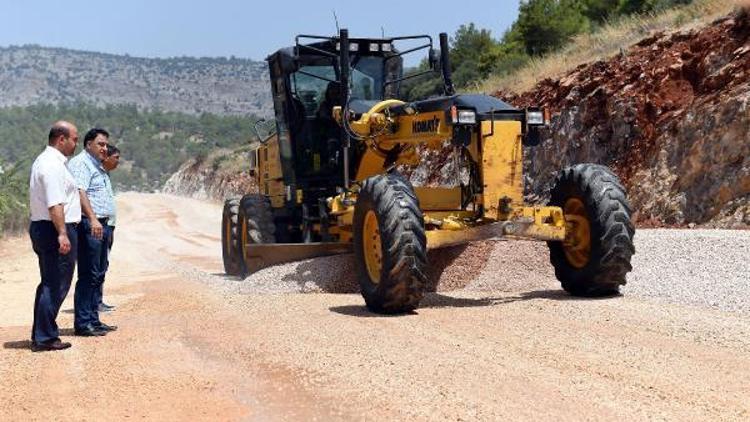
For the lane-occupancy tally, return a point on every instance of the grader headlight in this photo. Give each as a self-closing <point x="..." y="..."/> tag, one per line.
<point x="537" y="116"/>
<point x="467" y="117"/>
<point x="463" y="117"/>
<point x="535" y="119"/>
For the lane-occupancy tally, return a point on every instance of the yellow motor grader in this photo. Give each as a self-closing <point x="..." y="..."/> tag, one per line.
<point x="330" y="183"/>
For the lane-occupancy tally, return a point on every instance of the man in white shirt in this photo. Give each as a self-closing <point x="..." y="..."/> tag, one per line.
<point x="55" y="214"/>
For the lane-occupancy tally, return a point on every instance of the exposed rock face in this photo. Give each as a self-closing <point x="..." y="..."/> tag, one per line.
<point x="32" y="75"/>
<point x="670" y="116"/>
<point x="217" y="177"/>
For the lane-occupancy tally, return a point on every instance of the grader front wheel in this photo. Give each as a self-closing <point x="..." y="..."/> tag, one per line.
<point x="595" y="255"/>
<point x="390" y="246"/>
<point x="230" y="243"/>
<point x="256" y="227"/>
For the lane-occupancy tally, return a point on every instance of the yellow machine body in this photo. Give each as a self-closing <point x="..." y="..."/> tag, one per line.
<point x="497" y="211"/>
<point x="500" y="143"/>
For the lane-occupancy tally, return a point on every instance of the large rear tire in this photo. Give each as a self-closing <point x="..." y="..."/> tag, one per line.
<point x="390" y="246"/>
<point x="256" y="227"/>
<point x="595" y="257"/>
<point x="230" y="245"/>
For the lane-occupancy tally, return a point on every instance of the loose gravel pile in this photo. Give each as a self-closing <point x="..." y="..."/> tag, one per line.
<point x="697" y="267"/>
<point x="709" y="268"/>
<point x="330" y="274"/>
<point x="480" y="266"/>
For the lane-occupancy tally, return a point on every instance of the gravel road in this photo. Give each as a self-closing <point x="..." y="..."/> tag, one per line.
<point x="496" y="340"/>
<point x="709" y="268"/>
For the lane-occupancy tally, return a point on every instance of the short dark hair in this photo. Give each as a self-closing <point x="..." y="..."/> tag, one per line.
<point x="57" y="131"/>
<point x="92" y="134"/>
<point x="112" y="150"/>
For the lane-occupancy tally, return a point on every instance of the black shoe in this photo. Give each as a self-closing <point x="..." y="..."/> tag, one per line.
<point x="90" y="331"/>
<point x="104" y="327"/>
<point x="103" y="307"/>
<point x="49" y="346"/>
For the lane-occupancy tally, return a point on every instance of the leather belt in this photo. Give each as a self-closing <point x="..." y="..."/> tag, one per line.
<point x="102" y="220"/>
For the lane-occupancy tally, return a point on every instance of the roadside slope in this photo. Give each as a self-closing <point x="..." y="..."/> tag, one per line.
<point x="669" y="115"/>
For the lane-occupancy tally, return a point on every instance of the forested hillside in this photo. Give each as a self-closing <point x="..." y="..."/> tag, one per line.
<point x="153" y="144"/>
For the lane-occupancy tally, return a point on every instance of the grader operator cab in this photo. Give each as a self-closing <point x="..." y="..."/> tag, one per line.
<point x="329" y="180"/>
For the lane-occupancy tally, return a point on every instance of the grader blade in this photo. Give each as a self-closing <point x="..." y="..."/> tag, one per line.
<point x="437" y="239"/>
<point x="265" y="255"/>
<point x="525" y="229"/>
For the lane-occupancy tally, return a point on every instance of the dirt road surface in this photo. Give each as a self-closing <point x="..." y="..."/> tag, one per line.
<point x="296" y="343"/>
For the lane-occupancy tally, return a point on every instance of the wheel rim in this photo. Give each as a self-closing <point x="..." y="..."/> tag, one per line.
<point x="577" y="244"/>
<point x="372" y="249"/>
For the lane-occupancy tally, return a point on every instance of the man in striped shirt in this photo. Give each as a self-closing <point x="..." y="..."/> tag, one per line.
<point x="97" y="204"/>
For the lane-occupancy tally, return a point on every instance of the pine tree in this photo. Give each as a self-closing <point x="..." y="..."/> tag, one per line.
<point x="546" y="25"/>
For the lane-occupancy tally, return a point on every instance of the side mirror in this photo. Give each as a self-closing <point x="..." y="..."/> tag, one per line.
<point x="255" y="128"/>
<point x="264" y="129"/>
<point x="433" y="59"/>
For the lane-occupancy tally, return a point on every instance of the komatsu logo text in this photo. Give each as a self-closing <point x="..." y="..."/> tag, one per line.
<point x="422" y="126"/>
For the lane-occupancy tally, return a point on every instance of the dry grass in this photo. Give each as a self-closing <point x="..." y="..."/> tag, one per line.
<point x="609" y="41"/>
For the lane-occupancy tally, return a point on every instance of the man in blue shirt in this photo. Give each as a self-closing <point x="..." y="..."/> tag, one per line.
<point x="97" y="205"/>
<point x="109" y="164"/>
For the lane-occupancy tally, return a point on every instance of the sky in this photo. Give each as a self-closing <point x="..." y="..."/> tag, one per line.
<point x="169" y="28"/>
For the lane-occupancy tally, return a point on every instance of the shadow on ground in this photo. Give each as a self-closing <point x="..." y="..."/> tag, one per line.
<point x="329" y="274"/>
<point x="26" y="344"/>
<point x="226" y="276"/>
<point x="67" y="332"/>
<point x="438" y="300"/>
<point x="338" y="274"/>
<point x="20" y="344"/>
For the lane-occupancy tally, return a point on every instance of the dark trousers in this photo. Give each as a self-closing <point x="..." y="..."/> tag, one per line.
<point x="56" y="272"/>
<point x="92" y="258"/>
<point x="99" y="295"/>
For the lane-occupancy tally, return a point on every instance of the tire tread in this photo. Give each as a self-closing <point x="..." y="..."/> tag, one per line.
<point x="401" y="222"/>
<point x="612" y="231"/>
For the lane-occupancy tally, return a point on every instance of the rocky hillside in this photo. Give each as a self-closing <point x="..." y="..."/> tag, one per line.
<point x="220" y="175"/>
<point x="670" y="115"/>
<point x="33" y="74"/>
